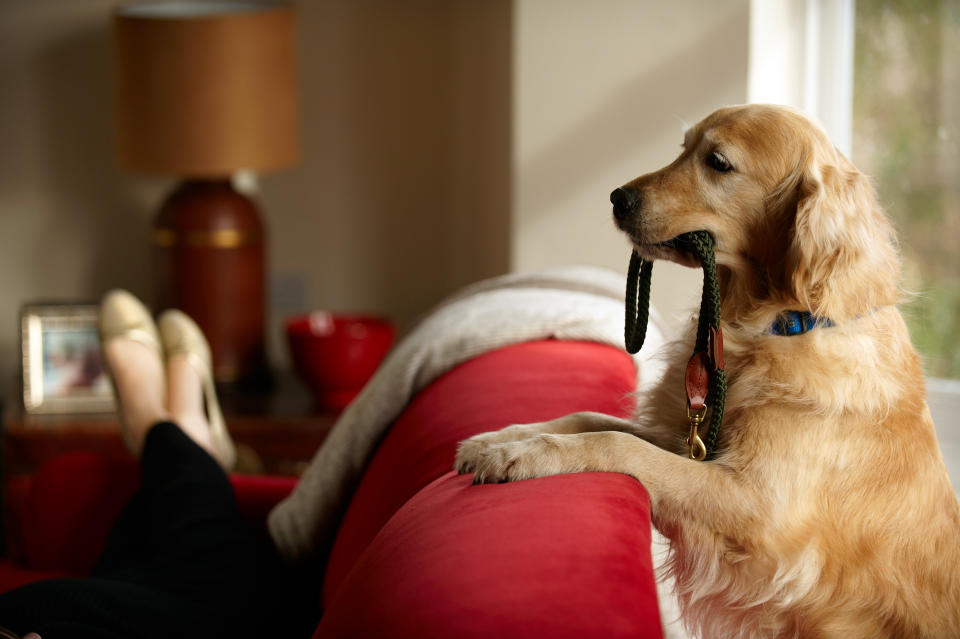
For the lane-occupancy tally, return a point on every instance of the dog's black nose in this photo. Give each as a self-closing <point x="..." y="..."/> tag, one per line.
<point x="625" y="201"/>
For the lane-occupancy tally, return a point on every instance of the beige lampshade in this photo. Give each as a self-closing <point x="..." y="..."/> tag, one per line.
<point x="205" y="89"/>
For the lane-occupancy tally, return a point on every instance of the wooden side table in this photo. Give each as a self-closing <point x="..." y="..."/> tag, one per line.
<point x="276" y="432"/>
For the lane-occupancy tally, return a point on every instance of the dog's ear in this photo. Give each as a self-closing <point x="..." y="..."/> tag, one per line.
<point x="842" y="260"/>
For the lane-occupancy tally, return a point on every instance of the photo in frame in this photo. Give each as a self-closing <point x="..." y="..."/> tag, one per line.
<point x="62" y="364"/>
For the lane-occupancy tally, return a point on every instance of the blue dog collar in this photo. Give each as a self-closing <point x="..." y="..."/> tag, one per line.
<point x="798" y="322"/>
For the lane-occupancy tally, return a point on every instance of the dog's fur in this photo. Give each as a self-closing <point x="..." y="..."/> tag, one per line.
<point x="827" y="511"/>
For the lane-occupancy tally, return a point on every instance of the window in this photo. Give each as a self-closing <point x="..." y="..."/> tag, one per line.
<point x="883" y="77"/>
<point x="906" y="134"/>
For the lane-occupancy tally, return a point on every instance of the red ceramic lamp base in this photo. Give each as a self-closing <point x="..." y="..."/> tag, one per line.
<point x="210" y="248"/>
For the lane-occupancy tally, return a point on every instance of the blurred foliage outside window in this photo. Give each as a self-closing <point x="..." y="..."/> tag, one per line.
<point x="906" y="134"/>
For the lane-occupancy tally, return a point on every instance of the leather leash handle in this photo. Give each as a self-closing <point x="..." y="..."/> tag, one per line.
<point x="696" y="383"/>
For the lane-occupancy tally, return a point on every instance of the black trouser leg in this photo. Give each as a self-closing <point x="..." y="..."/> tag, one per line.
<point x="179" y="561"/>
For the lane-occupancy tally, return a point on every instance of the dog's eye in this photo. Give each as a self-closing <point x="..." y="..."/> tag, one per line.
<point x="718" y="162"/>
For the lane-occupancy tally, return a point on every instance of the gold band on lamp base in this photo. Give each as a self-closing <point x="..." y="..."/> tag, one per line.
<point x="219" y="238"/>
<point x="209" y="243"/>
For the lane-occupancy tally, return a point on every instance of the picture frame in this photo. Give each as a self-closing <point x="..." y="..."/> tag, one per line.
<point x="63" y="371"/>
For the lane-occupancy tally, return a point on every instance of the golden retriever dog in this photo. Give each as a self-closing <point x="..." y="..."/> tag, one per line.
<point x="827" y="510"/>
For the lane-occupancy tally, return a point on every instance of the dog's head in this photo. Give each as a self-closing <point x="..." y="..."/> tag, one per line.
<point x="796" y="225"/>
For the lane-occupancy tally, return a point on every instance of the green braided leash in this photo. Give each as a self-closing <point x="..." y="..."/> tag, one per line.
<point x="638" y="302"/>
<point x="699" y="244"/>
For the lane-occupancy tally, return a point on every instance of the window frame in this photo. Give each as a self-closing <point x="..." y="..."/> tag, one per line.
<point x="801" y="54"/>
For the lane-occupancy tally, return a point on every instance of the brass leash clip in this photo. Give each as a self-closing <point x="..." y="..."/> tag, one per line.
<point x="696" y="382"/>
<point x="695" y="446"/>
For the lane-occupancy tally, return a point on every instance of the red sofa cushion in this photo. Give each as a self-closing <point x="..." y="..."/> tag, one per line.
<point x="70" y="508"/>
<point x="528" y="382"/>
<point x="564" y="556"/>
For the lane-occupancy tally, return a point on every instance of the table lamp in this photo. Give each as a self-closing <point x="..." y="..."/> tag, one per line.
<point x="206" y="90"/>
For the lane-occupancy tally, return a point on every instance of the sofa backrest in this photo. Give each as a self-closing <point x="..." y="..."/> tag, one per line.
<point x="424" y="553"/>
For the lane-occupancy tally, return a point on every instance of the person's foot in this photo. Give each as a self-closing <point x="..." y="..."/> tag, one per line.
<point x="131" y="352"/>
<point x="185" y="400"/>
<point x="192" y="398"/>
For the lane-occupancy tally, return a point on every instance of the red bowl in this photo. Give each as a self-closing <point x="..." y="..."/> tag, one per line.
<point x="336" y="355"/>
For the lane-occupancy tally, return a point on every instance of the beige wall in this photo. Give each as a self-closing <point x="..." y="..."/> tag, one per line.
<point x="403" y="194"/>
<point x="602" y="93"/>
<point x="444" y="141"/>
<point x="70" y="223"/>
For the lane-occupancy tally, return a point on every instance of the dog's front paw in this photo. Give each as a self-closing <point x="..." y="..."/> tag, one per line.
<point x="470" y="449"/>
<point x="496" y="462"/>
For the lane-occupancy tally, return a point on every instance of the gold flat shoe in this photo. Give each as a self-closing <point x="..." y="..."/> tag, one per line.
<point x="180" y="335"/>
<point x="123" y="316"/>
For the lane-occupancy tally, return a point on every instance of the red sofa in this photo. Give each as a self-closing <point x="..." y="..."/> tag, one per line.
<point x="421" y="551"/>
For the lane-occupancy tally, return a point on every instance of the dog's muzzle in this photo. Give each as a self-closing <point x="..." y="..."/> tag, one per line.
<point x="625" y="202"/>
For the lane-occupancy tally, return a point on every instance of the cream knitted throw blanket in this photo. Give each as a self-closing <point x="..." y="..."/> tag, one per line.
<point x="568" y="303"/>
